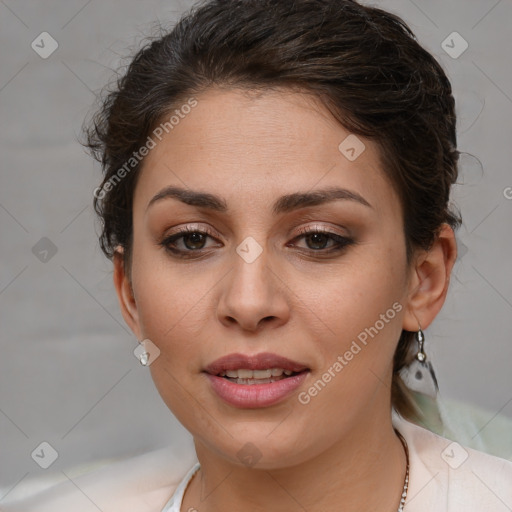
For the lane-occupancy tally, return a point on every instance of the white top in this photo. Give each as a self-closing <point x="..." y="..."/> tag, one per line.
<point x="174" y="504"/>
<point x="444" y="477"/>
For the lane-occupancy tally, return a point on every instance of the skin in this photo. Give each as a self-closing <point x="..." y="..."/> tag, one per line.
<point x="250" y="149"/>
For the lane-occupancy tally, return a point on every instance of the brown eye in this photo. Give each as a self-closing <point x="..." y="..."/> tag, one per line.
<point x="187" y="242"/>
<point x="318" y="241"/>
<point x="194" y="240"/>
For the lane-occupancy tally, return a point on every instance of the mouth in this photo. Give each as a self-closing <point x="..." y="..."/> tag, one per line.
<point x="255" y="381"/>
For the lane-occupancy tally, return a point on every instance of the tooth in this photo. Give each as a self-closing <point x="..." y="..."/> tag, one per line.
<point x="254" y="381"/>
<point x="255" y="374"/>
<point x="262" y="374"/>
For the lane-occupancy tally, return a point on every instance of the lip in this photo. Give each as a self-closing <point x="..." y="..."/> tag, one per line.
<point x="260" y="361"/>
<point x="252" y="396"/>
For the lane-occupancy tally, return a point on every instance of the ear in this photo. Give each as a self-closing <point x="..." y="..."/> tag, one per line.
<point x="430" y="277"/>
<point x="125" y="295"/>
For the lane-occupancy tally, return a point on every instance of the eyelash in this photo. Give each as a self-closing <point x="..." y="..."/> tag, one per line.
<point x="341" y="241"/>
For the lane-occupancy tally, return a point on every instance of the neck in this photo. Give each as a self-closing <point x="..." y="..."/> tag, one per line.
<point x="369" y="457"/>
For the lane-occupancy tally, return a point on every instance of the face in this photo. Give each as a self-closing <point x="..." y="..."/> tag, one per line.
<point x="268" y="266"/>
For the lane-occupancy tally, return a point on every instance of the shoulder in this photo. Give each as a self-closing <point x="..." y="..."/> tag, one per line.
<point x="139" y="484"/>
<point x="452" y="475"/>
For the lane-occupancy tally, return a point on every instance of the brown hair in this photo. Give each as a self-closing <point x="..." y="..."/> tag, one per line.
<point x="363" y="63"/>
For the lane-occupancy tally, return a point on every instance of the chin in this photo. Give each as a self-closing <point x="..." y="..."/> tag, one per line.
<point x="265" y="445"/>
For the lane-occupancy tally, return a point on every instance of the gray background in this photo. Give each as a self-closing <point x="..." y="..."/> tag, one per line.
<point x="67" y="372"/>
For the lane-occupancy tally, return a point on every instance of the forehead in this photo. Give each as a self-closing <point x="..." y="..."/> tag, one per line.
<point x="254" y="146"/>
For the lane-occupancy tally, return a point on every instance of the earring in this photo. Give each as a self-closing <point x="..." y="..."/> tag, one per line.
<point x="144" y="358"/>
<point x="141" y="353"/>
<point x="419" y="376"/>
<point x="420" y="338"/>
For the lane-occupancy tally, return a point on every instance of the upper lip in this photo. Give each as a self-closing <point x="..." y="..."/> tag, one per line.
<point x="260" y="361"/>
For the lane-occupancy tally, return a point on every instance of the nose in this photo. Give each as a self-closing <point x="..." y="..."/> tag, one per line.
<point x="253" y="295"/>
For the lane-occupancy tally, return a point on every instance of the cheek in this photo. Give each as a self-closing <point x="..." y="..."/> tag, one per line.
<point x="362" y="308"/>
<point x="361" y="312"/>
<point x="168" y="302"/>
<point x="171" y="314"/>
<point x="354" y="295"/>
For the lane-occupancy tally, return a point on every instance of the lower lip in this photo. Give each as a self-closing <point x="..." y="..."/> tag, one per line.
<point x="253" y="396"/>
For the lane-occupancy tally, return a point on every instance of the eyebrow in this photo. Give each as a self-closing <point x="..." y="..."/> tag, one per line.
<point x="284" y="204"/>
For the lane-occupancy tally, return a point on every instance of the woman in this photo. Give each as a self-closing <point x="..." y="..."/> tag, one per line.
<point x="276" y="206"/>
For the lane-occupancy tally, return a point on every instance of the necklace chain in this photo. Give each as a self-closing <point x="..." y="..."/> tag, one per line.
<point x="406" y="481"/>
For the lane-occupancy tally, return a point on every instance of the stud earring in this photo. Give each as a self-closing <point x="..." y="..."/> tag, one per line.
<point x="419" y="376"/>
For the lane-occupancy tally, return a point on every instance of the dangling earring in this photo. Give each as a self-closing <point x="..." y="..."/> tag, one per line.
<point x="420" y="338"/>
<point x="144" y="358"/>
<point x="419" y="375"/>
<point x="141" y="353"/>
